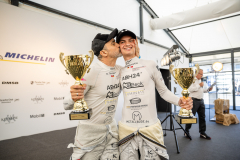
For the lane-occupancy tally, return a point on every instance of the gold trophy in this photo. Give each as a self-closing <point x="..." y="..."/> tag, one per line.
<point x="77" y="66"/>
<point x="185" y="77"/>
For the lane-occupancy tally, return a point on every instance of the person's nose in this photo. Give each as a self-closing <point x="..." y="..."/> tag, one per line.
<point x="127" y="43"/>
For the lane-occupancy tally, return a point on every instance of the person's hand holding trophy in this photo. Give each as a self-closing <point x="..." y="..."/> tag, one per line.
<point x="185" y="77"/>
<point x="77" y="66"/>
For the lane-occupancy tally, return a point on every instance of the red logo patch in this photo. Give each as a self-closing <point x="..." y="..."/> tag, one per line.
<point x="112" y="75"/>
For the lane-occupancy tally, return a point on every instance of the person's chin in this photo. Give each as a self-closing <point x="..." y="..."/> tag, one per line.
<point x="127" y="54"/>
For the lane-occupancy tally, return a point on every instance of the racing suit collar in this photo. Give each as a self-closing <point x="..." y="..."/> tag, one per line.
<point x="105" y="66"/>
<point x="131" y="61"/>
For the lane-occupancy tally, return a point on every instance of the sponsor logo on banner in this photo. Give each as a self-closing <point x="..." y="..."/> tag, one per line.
<point x="8" y="82"/>
<point x="25" y="58"/>
<point x="9" y="119"/>
<point x="129" y="85"/>
<point x="39" y="83"/>
<point x="37" y="99"/>
<point x="58" y="98"/>
<point x="9" y="100"/>
<point x="59" y="113"/>
<point x="37" y="116"/>
<point x="63" y="83"/>
<point x="137" y="118"/>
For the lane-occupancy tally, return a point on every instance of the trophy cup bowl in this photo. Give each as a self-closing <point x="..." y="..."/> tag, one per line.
<point x="77" y="66"/>
<point x="185" y="77"/>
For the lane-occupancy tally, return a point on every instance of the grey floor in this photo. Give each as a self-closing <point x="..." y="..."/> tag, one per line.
<point x="225" y="144"/>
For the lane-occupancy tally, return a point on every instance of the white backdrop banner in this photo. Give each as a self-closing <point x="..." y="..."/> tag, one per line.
<point x="33" y="82"/>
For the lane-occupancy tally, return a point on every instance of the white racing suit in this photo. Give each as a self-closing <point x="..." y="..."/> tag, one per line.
<point x="139" y="78"/>
<point x="95" y="141"/>
<point x="97" y="137"/>
<point x="148" y="140"/>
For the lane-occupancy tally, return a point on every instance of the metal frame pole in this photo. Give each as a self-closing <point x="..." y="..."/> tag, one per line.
<point x="233" y="80"/>
<point x="141" y="22"/>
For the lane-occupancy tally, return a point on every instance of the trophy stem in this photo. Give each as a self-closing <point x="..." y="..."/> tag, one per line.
<point x="80" y="105"/>
<point x="78" y="82"/>
<point x="185" y="93"/>
<point x="185" y="113"/>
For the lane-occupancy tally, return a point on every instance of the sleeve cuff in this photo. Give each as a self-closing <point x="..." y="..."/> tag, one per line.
<point x="68" y="102"/>
<point x="177" y="101"/>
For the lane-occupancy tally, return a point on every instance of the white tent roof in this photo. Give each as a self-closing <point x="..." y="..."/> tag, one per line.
<point x="216" y="35"/>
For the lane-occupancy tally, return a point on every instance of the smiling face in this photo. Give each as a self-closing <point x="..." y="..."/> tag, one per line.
<point x="127" y="46"/>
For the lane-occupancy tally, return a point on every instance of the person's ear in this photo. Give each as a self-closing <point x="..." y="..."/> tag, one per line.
<point x="104" y="53"/>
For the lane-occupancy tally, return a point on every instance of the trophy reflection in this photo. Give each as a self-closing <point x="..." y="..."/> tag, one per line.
<point x="77" y="66"/>
<point x="185" y="77"/>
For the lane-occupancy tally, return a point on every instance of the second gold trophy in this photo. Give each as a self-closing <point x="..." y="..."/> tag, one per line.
<point x="185" y="77"/>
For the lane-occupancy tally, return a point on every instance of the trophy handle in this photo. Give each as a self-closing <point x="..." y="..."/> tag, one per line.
<point x="91" y="59"/>
<point x="92" y="56"/>
<point x="197" y="70"/>
<point x="171" y="70"/>
<point x="62" y="60"/>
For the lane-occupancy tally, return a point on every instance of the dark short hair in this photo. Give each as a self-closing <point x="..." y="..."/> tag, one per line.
<point x="125" y="32"/>
<point x="101" y="39"/>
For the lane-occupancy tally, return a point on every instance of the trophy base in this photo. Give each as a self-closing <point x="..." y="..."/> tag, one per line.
<point x="81" y="115"/>
<point x="186" y="120"/>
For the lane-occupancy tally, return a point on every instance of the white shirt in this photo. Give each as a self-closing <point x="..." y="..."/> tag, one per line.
<point x="101" y="93"/>
<point x="138" y="81"/>
<point x="196" y="91"/>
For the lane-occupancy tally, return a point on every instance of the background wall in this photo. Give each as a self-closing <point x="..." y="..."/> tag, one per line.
<point x="32" y="89"/>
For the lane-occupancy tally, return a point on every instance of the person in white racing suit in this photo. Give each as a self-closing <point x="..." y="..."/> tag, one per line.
<point x="140" y="129"/>
<point x="97" y="137"/>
